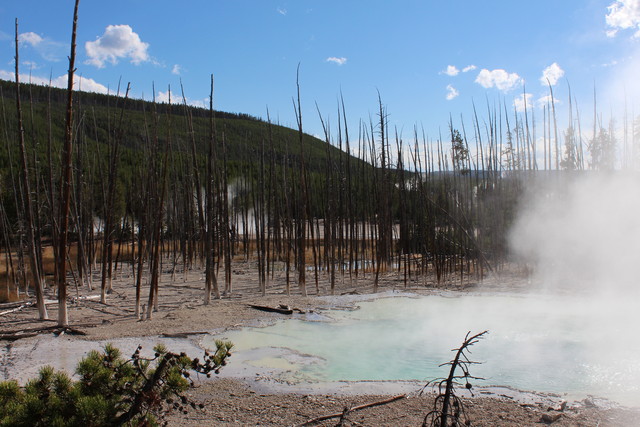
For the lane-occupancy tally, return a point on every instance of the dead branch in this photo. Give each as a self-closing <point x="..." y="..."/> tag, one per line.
<point x="348" y="410"/>
<point x="447" y="405"/>
<point x="13" y="310"/>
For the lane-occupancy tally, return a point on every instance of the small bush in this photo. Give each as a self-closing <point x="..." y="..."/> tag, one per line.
<point x="111" y="391"/>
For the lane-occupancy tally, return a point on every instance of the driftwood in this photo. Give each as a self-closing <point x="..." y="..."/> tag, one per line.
<point x="68" y="330"/>
<point x="346" y="411"/>
<point x="20" y="305"/>
<point x="280" y="309"/>
<point x="14" y="304"/>
<point x="18" y="308"/>
<point x="15" y="337"/>
<point x="85" y="298"/>
<point x="182" y="334"/>
<point x="55" y="329"/>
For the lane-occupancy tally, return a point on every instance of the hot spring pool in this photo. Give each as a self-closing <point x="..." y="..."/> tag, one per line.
<point x="541" y="343"/>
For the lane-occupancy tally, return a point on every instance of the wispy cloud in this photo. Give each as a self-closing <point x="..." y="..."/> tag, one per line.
<point x="282" y="11"/>
<point x="30" y="38"/>
<point x="469" y="68"/>
<point x="526" y="100"/>
<point x="546" y="100"/>
<point x="523" y="102"/>
<point x="452" y="92"/>
<point x="31" y="65"/>
<point x="551" y="75"/>
<point x="623" y="15"/>
<point x="48" y="49"/>
<point x="80" y="83"/>
<point x="118" y="41"/>
<point x="499" y="79"/>
<point x="177" y="69"/>
<point x="451" y="71"/>
<point x="336" y="60"/>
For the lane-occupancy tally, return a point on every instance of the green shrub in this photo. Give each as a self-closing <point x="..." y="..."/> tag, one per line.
<point x="111" y="390"/>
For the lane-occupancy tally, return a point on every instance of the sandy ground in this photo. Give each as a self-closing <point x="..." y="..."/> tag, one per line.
<point x="232" y="400"/>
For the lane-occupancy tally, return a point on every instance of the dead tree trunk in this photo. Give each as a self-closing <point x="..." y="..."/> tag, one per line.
<point x="37" y="283"/>
<point x="211" y="282"/>
<point x="63" y="318"/>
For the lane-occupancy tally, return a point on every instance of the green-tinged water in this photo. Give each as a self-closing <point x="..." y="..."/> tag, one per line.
<point x="539" y="343"/>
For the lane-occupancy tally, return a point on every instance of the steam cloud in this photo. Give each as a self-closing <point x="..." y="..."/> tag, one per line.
<point x="584" y="235"/>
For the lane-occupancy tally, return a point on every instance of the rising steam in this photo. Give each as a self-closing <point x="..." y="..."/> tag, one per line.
<point x="582" y="233"/>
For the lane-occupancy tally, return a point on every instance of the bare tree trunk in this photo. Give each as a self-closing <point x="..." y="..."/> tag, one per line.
<point x="211" y="282"/>
<point x="301" y="218"/>
<point x="37" y="283"/>
<point x="63" y="318"/>
<point x="157" y="240"/>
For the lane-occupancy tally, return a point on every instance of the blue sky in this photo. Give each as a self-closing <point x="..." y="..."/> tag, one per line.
<point x="427" y="59"/>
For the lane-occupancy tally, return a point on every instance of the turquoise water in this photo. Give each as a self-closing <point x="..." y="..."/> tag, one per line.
<point x="538" y="343"/>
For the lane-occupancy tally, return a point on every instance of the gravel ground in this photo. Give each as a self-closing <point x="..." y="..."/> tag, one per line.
<point x="234" y="401"/>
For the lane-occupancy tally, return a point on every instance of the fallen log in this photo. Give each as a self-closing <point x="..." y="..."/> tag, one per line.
<point x="56" y="330"/>
<point x="15" y="337"/>
<point x="14" y="304"/>
<point x="68" y="330"/>
<point x="280" y="309"/>
<point x="85" y="298"/>
<point x="182" y="334"/>
<point x="25" y="333"/>
<point x="348" y="410"/>
<point x="18" y="308"/>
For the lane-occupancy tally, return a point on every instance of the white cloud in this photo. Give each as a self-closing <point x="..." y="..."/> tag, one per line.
<point x="282" y="11"/>
<point x="30" y="38"/>
<point x="202" y="103"/>
<point x="79" y="82"/>
<point x="546" y="100"/>
<point x="551" y="75"/>
<point x="498" y="78"/>
<point x="522" y="102"/>
<point x="469" y="68"/>
<point x="177" y="69"/>
<point x="335" y="60"/>
<point x="623" y="14"/>
<point x="86" y="85"/>
<point x="31" y="65"/>
<point x="452" y="92"/>
<point x="451" y="71"/>
<point x="48" y="49"/>
<point x="118" y="41"/>
<point x="176" y="99"/>
<point x="163" y="97"/>
<point x="526" y="99"/>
